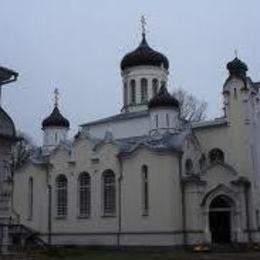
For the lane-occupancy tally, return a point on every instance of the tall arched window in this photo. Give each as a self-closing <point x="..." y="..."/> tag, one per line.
<point x="84" y="194"/>
<point x="61" y="196"/>
<point x="133" y="91"/>
<point x="167" y="120"/>
<point x="155" y="86"/>
<point x="125" y="94"/>
<point x="145" y="190"/>
<point x="189" y="166"/>
<point x="216" y="155"/>
<point x="144" y="94"/>
<point x="109" y="192"/>
<point x="30" y="198"/>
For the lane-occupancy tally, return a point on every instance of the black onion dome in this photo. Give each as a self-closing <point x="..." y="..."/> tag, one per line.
<point x="144" y="55"/>
<point x="55" y="119"/>
<point x="237" y="68"/>
<point x="163" y="99"/>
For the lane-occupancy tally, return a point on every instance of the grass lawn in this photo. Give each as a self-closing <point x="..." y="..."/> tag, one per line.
<point x="142" y="255"/>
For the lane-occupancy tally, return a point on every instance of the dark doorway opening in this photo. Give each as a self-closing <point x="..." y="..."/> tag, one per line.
<point x="220" y="220"/>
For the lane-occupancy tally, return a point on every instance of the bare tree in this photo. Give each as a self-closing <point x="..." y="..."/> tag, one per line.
<point x="22" y="149"/>
<point x="191" y="108"/>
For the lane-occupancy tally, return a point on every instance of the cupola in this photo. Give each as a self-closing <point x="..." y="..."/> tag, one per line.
<point x="163" y="99"/>
<point x="144" y="55"/>
<point x="143" y="71"/>
<point x="237" y="68"/>
<point x="55" y="127"/>
<point x="164" y="111"/>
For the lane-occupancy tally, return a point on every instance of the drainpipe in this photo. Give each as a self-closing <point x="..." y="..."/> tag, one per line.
<point x="49" y="201"/>
<point x="119" y="201"/>
<point x="183" y="206"/>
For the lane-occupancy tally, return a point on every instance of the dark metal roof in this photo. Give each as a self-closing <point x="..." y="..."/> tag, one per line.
<point x="237" y="68"/>
<point x="144" y="55"/>
<point x="7" y="128"/>
<point x="55" y="119"/>
<point x="163" y="99"/>
<point x="7" y="75"/>
<point x="118" y="117"/>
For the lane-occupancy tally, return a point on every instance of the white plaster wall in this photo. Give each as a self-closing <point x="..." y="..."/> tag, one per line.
<point x="164" y="193"/>
<point x="122" y="129"/>
<point x="39" y="219"/>
<point x="83" y="154"/>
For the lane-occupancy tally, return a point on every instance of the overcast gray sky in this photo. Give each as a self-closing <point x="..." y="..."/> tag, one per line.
<point x="77" y="45"/>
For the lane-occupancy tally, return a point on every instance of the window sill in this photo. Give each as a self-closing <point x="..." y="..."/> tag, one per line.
<point x="109" y="216"/>
<point x="61" y="217"/>
<point x="83" y="217"/>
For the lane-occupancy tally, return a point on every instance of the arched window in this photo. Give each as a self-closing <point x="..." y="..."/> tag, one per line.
<point x="133" y="91"/>
<point x="125" y="94"/>
<point x="189" y="166"/>
<point x="84" y="190"/>
<point x="61" y="196"/>
<point x="109" y="193"/>
<point x="202" y="162"/>
<point x="144" y="84"/>
<point x="30" y="198"/>
<point x="216" y="155"/>
<point x="145" y="190"/>
<point x="156" y="121"/>
<point x="155" y="86"/>
<point x="167" y="120"/>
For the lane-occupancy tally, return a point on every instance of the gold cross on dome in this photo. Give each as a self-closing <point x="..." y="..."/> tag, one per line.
<point x="143" y="24"/>
<point x="56" y="97"/>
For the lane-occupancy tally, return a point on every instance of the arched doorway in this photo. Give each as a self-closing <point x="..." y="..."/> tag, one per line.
<point x="220" y="219"/>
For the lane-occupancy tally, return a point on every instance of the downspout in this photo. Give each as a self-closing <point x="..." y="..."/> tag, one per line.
<point x="119" y="200"/>
<point x="183" y="206"/>
<point x="49" y="202"/>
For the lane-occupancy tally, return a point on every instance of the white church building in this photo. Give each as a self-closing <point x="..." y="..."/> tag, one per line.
<point x="146" y="177"/>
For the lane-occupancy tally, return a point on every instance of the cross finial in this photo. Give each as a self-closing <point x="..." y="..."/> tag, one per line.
<point x="236" y="53"/>
<point x="143" y="24"/>
<point x="56" y="97"/>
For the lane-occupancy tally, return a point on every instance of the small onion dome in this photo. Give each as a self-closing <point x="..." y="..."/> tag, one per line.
<point x="163" y="99"/>
<point x="144" y="55"/>
<point x="237" y="68"/>
<point x="55" y="119"/>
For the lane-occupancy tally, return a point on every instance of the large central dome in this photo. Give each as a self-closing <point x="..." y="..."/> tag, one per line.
<point x="144" y="55"/>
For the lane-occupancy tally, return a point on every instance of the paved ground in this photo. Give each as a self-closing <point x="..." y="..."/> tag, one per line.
<point x="115" y="255"/>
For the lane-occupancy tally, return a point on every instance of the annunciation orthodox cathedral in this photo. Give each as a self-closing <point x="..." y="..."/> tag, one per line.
<point x="145" y="176"/>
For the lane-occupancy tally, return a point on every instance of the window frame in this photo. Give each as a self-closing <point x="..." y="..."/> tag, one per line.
<point x="144" y="90"/>
<point x="145" y="190"/>
<point x="109" y="193"/>
<point x="84" y="191"/>
<point x="61" y="193"/>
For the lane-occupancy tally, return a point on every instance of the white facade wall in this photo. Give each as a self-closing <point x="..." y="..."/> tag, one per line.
<point x="121" y="129"/>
